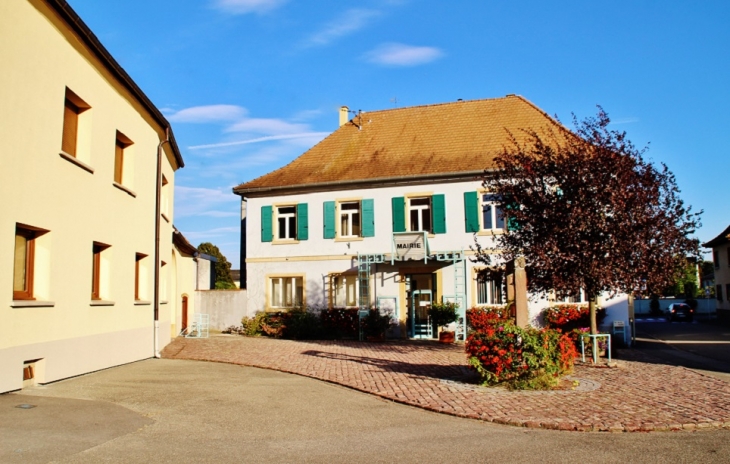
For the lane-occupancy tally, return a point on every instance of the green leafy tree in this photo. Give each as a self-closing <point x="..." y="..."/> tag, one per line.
<point x="586" y="211"/>
<point x="223" y="279"/>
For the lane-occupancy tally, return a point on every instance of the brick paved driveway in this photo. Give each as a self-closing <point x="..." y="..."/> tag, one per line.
<point x="636" y="396"/>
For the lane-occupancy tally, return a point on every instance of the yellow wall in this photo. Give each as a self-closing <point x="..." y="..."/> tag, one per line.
<point x="40" y="188"/>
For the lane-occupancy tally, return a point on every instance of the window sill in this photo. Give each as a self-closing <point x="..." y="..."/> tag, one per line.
<point x="77" y="162"/>
<point x="124" y="189"/>
<point x="32" y="304"/>
<point x="491" y="232"/>
<point x="349" y="239"/>
<point x="285" y="242"/>
<point x="164" y="217"/>
<point x="101" y="303"/>
<point x="142" y="303"/>
<point x="163" y="302"/>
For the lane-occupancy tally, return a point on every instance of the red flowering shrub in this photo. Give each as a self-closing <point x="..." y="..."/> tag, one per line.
<point x="502" y="352"/>
<point x="479" y="318"/>
<point x="572" y="319"/>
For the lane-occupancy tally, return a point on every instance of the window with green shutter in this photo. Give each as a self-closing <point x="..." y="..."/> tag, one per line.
<point x="399" y="214"/>
<point x="471" y="211"/>
<point x="368" y="218"/>
<point x="329" y="219"/>
<point x="302" y="221"/>
<point x="267" y="234"/>
<point x="438" y="203"/>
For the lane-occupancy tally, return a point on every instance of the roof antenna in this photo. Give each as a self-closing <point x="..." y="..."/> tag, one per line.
<point x="395" y="101"/>
<point x="359" y="119"/>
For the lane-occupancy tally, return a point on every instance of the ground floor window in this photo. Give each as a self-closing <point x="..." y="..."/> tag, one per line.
<point x="345" y="291"/>
<point x="286" y="292"/>
<point x="490" y="289"/>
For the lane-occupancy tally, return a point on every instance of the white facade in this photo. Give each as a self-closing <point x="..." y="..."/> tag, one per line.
<point x="322" y="271"/>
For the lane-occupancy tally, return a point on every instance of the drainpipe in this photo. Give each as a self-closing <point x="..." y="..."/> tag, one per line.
<point x="158" y="192"/>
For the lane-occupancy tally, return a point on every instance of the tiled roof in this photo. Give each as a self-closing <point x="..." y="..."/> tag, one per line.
<point x="419" y="141"/>
<point x="723" y="238"/>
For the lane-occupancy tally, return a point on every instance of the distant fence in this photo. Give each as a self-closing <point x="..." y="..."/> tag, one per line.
<point x="705" y="306"/>
<point x="225" y="307"/>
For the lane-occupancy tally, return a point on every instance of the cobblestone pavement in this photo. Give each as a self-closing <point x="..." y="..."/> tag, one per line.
<point x="635" y="396"/>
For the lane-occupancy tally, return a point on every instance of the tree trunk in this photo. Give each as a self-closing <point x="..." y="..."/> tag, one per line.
<point x="592" y="313"/>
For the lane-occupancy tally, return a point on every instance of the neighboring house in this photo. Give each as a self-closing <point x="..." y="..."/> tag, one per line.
<point x="81" y="188"/>
<point x="383" y="212"/>
<point x="721" y="258"/>
<point x="236" y="276"/>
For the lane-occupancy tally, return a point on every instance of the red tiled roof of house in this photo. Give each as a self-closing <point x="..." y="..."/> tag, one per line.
<point x="721" y="239"/>
<point x="419" y="141"/>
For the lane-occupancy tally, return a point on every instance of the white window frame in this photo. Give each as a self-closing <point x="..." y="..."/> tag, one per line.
<point x="487" y="291"/>
<point x="348" y="214"/>
<point x="427" y="209"/>
<point x="492" y="205"/>
<point x="289" y="234"/>
<point x="278" y="295"/>
<point x="345" y="286"/>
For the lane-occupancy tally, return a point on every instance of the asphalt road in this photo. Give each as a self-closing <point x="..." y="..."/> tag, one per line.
<point x="188" y="411"/>
<point x="701" y="345"/>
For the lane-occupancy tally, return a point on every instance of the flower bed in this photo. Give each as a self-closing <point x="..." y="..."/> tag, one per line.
<point x="571" y="319"/>
<point x="481" y="317"/>
<point x="502" y="352"/>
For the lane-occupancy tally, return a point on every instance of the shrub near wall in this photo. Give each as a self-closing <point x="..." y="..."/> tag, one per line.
<point x="573" y="320"/>
<point x="479" y="318"/>
<point x="503" y="353"/>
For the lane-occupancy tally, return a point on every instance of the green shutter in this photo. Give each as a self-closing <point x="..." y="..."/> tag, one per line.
<point x="267" y="234"/>
<point x="438" y="203"/>
<point x="329" y="219"/>
<point x="368" y="218"/>
<point x="302" y="221"/>
<point x="399" y="214"/>
<point x="471" y="211"/>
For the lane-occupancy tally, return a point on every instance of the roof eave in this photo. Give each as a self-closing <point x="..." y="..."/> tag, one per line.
<point x="89" y="39"/>
<point x="345" y="184"/>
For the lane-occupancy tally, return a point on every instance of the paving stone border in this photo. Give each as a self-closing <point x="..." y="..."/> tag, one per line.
<point x="636" y="396"/>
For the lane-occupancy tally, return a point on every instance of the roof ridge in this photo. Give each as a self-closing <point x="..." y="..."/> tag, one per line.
<point x="431" y="105"/>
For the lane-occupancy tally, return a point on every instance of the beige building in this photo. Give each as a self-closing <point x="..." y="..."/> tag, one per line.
<point x="86" y="156"/>
<point x="721" y="258"/>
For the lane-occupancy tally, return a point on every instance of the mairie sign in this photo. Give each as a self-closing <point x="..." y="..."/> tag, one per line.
<point x="411" y="245"/>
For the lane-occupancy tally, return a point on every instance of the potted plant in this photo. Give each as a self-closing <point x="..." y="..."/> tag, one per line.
<point x="443" y="314"/>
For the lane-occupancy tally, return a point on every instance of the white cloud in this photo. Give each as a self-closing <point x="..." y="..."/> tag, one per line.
<point x="206" y="234"/>
<point x="349" y="22"/>
<point x="200" y="201"/>
<point x="303" y="135"/>
<point x="395" y="54"/>
<point x="208" y="113"/>
<point x="629" y="120"/>
<point x="266" y="126"/>
<point x="247" y="6"/>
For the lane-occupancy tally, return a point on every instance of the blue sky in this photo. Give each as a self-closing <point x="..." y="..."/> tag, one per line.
<point x="251" y="84"/>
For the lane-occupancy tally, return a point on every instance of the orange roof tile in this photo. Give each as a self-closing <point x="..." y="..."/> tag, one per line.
<point x="419" y="141"/>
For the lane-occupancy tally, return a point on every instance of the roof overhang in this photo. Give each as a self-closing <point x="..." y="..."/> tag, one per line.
<point x="88" y="38"/>
<point x="721" y="239"/>
<point x="360" y="183"/>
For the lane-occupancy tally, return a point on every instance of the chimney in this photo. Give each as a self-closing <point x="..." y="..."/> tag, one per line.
<point x="344" y="115"/>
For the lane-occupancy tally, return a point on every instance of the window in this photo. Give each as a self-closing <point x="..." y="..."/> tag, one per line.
<point x="24" y="263"/>
<point x="345" y="291"/>
<point x="728" y="256"/>
<point x="286" y="292"/>
<point x="492" y="216"/>
<point x="350" y="219"/>
<point x="74" y="126"/>
<point x="140" y="277"/>
<point x="286" y="223"/>
<point x="419" y="214"/>
<point x="718" y="292"/>
<point x="99" y="271"/>
<point x="286" y="220"/>
<point x="489" y="289"/>
<point x="165" y="199"/>
<point x="121" y="155"/>
<point x="716" y="258"/>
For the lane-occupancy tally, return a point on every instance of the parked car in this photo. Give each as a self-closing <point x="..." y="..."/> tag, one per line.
<point x="680" y="312"/>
